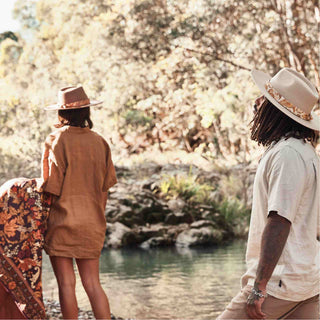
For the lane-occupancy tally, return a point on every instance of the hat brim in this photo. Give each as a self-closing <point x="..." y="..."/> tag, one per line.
<point x="260" y="78"/>
<point x="58" y="107"/>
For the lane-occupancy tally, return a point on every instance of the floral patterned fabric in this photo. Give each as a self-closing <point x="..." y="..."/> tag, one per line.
<point x="24" y="211"/>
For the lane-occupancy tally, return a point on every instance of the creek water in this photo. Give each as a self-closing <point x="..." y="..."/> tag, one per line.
<point x="166" y="283"/>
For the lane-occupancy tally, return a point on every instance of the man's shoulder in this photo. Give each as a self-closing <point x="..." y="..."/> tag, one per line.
<point x="294" y="147"/>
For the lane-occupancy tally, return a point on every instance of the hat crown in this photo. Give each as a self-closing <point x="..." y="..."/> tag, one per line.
<point x="295" y="88"/>
<point x="70" y="95"/>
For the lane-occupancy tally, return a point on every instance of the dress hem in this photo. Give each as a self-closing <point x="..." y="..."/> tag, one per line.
<point x="61" y="253"/>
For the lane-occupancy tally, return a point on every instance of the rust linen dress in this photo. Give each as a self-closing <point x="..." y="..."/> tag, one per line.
<point x="79" y="171"/>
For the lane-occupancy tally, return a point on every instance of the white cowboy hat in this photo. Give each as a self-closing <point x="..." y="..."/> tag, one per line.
<point x="292" y="93"/>
<point x="72" y="98"/>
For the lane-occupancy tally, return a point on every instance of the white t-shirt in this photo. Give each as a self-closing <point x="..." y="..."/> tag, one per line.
<point x="287" y="181"/>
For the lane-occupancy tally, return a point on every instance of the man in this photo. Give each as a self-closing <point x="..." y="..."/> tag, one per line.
<point x="283" y="270"/>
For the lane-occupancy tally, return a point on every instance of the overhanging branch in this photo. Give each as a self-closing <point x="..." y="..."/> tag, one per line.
<point x="215" y="57"/>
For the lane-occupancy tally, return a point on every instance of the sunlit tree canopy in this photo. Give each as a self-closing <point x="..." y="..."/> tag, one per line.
<point x="174" y="75"/>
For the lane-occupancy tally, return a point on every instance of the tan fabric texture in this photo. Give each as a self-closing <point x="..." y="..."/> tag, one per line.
<point x="78" y="170"/>
<point x="287" y="181"/>
<point x="273" y="308"/>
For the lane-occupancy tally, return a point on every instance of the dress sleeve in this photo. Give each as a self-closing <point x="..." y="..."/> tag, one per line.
<point x="287" y="178"/>
<point x="110" y="177"/>
<point x="53" y="165"/>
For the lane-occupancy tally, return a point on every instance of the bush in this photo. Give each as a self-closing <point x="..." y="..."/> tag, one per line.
<point x="228" y="211"/>
<point x="187" y="187"/>
<point x="235" y="215"/>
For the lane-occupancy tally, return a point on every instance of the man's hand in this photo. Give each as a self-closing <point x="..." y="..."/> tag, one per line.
<point x="254" y="303"/>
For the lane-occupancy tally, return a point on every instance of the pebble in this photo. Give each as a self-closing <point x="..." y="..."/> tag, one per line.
<point x="53" y="312"/>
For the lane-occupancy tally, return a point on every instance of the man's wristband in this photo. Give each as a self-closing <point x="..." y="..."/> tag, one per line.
<point x="256" y="293"/>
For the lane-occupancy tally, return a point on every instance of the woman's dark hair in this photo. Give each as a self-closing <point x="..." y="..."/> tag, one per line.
<point x="270" y="125"/>
<point x="74" y="117"/>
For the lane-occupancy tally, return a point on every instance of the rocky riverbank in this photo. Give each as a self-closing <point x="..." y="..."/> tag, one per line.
<point x="139" y="213"/>
<point x="53" y="312"/>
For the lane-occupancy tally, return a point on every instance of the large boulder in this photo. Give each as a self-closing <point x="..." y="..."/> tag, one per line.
<point x="126" y="216"/>
<point x="150" y="231"/>
<point x="118" y="235"/>
<point x="157" y="242"/>
<point x="206" y="235"/>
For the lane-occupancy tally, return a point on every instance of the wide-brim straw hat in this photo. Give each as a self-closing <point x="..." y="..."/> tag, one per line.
<point x="72" y="98"/>
<point x="292" y="93"/>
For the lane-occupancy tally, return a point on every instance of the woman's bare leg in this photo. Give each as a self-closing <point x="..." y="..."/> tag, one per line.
<point x="89" y="273"/>
<point x="63" y="270"/>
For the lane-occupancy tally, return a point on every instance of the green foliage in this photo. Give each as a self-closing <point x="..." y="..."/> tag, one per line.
<point x="233" y="210"/>
<point x="235" y="215"/>
<point x="232" y="185"/>
<point x="137" y="118"/>
<point x="227" y="207"/>
<point x="187" y="187"/>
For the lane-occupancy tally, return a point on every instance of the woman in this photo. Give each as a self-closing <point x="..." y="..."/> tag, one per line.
<point x="24" y="210"/>
<point x="78" y="172"/>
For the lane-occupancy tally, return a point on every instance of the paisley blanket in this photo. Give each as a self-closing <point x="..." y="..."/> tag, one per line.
<point x="24" y="210"/>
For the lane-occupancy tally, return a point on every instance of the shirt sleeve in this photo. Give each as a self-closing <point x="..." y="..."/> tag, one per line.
<point x="316" y="168"/>
<point x="53" y="166"/>
<point x="287" y="177"/>
<point x="110" y="177"/>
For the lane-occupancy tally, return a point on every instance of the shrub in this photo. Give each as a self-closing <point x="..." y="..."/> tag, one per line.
<point x="187" y="187"/>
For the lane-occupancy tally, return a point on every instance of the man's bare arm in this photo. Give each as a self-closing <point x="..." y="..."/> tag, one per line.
<point x="273" y="240"/>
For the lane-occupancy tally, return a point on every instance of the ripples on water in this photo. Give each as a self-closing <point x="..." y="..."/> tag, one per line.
<point x="170" y="283"/>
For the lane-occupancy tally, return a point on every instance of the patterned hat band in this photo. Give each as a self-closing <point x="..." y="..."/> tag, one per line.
<point x="286" y="104"/>
<point x="76" y="104"/>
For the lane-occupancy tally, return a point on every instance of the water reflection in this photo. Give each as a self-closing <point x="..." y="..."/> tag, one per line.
<point x="170" y="283"/>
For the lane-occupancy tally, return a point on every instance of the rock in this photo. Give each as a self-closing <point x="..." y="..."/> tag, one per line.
<point x="119" y="235"/>
<point x="174" y="231"/>
<point x="53" y="311"/>
<point x="184" y="217"/>
<point x="177" y="218"/>
<point x="211" y="215"/>
<point x="176" y="204"/>
<point x="151" y="184"/>
<point x="154" y="216"/>
<point x="155" y="230"/>
<point x="211" y="177"/>
<point x="148" y="168"/>
<point x="171" y="219"/>
<point x="111" y="211"/>
<point x="127" y="216"/>
<point x="123" y="211"/>
<point x="146" y="202"/>
<point x="202" y="223"/>
<point x="156" y="242"/>
<point x="131" y="239"/>
<point x="202" y="236"/>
